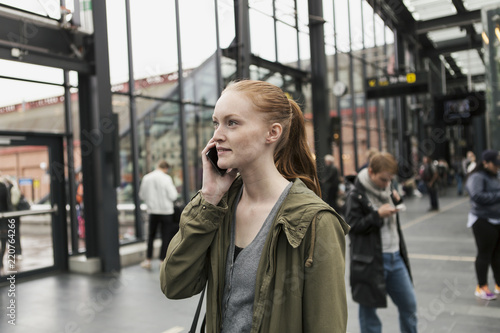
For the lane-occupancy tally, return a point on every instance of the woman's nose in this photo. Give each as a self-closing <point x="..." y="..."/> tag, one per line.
<point x="218" y="134"/>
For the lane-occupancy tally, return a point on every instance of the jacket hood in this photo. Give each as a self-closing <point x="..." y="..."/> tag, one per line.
<point x="295" y="215"/>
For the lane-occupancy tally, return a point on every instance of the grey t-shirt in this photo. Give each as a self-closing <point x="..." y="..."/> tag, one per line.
<point x="241" y="273"/>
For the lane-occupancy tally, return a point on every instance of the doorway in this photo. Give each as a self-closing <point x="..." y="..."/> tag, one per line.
<point x="32" y="165"/>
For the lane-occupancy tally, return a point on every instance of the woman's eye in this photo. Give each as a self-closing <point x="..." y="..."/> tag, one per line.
<point x="231" y="123"/>
<point x="216" y="124"/>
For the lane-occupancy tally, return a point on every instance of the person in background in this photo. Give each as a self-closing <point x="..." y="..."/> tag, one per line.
<point x="379" y="259"/>
<point x="369" y="154"/>
<point x="470" y="162"/>
<point x="157" y="190"/>
<point x="80" y="205"/>
<point x="270" y="251"/>
<point x="330" y="184"/>
<point x="5" y="206"/>
<point x="17" y="202"/>
<point x="483" y="187"/>
<point x="430" y="176"/>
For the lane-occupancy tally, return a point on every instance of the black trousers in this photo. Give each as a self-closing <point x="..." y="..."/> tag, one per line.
<point x="433" y="196"/>
<point x="487" y="237"/>
<point x="168" y="230"/>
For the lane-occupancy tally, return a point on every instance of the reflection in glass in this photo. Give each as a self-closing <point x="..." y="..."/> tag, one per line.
<point x="25" y="170"/>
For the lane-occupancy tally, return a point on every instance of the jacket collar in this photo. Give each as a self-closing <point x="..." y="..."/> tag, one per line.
<point x="297" y="211"/>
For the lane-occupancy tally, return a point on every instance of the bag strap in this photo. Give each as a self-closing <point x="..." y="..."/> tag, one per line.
<point x="197" y="314"/>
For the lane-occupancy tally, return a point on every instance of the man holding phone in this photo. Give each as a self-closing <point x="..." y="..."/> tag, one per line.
<point x="379" y="260"/>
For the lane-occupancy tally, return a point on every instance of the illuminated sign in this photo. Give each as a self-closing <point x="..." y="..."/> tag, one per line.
<point x="397" y="85"/>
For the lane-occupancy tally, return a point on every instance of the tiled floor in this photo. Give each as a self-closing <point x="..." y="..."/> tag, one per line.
<point x="442" y="251"/>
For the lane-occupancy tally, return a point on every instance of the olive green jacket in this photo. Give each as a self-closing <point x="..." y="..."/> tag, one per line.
<point x="300" y="283"/>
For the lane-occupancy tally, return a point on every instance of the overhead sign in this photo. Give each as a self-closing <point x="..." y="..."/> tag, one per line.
<point x="397" y="85"/>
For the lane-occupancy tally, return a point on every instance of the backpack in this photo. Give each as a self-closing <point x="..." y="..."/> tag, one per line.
<point x="23" y="204"/>
<point x="428" y="173"/>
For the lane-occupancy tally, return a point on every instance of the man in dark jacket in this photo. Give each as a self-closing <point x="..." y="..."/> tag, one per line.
<point x="379" y="260"/>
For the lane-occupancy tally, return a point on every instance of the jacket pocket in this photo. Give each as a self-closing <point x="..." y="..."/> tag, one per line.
<point x="361" y="267"/>
<point x="363" y="258"/>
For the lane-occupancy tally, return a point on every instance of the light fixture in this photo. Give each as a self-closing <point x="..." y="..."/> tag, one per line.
<point x="497" y="32"/>
<point x="485" y="38"/>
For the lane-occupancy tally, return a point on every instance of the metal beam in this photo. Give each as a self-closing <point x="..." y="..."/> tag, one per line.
<point x="272" y="66"/>
<point x="319" y="86"/>
<point x="31" y="39"/>
<point x="395" y="14"/>
<point x="457" y="20"/>
<point x="455" y="45"/>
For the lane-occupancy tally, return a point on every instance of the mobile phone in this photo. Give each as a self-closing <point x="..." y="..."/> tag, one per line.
<point x="401" y="207"/>
<point x="213" y="158"/>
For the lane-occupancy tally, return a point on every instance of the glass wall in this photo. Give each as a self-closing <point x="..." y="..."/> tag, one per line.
<point x="172" y="52"/>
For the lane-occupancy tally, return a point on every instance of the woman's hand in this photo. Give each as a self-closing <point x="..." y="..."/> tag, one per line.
<point x="396" y="195"/>
<point x="386" y="210"/>
<point x="214" y="186"/>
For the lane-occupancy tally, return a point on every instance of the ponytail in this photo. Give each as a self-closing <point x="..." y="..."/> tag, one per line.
<point x="293" y="158"/>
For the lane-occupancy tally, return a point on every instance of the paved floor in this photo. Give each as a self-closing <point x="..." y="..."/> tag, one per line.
<point x="442" y="256"/>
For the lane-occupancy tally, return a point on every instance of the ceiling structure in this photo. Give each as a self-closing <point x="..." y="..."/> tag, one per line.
<point x="447" y="29"/>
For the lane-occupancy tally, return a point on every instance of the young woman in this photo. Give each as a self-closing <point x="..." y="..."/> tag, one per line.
<point x="272" y="252"/>
<point x="379" y="260"/>
<point x="483" y="187"/>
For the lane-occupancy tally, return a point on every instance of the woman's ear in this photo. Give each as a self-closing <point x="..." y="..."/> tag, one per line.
<point x="370" y="172"/>
<point x="274" y="133"/>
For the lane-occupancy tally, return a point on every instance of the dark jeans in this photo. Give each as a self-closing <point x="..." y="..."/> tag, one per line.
<point x="433" y="196"/>
<point x="487" y="237"/>
<point x="168" y="230"/>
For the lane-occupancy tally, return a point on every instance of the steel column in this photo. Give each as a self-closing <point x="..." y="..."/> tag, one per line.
<point x="321" y="116"/>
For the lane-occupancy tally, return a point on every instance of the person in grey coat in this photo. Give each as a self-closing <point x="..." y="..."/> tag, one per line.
<point x="483" y="187"/>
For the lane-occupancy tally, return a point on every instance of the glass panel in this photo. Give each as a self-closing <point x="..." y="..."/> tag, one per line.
<point x="125" y="192"/>
<point x="199" y="44"/>
<point x="159" y="138"/>
<point x="31" y="72"/>
<point x="379" y="32"/>
<point x="200" y="86"/>
<point x="262" y="35"/>
<point x="287" y="45"/>
<point x="329" y="27"/>
<point x="158" y="56"/>
<point x="285" y="11"/>
<point x="27" y="107"/>
<point x="226" y="22"/>
<point x="200" y="130"/>
<point x="368" y="25"/>
<point x="342" y="24"/>
<point x="26" y="169"/>
<point x="355" y="24"/>
<point x="303" y="15"/>
<point x="265" y="7"/>
<point x="117" y="41"/>
<point x="389" y="35"/>
<point x="305" y="50"/>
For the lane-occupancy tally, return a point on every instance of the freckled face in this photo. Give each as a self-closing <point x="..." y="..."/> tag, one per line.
<point x="240" y="131"/>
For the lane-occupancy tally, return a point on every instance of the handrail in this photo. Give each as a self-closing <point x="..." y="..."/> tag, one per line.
<point x="20" y="213"/>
